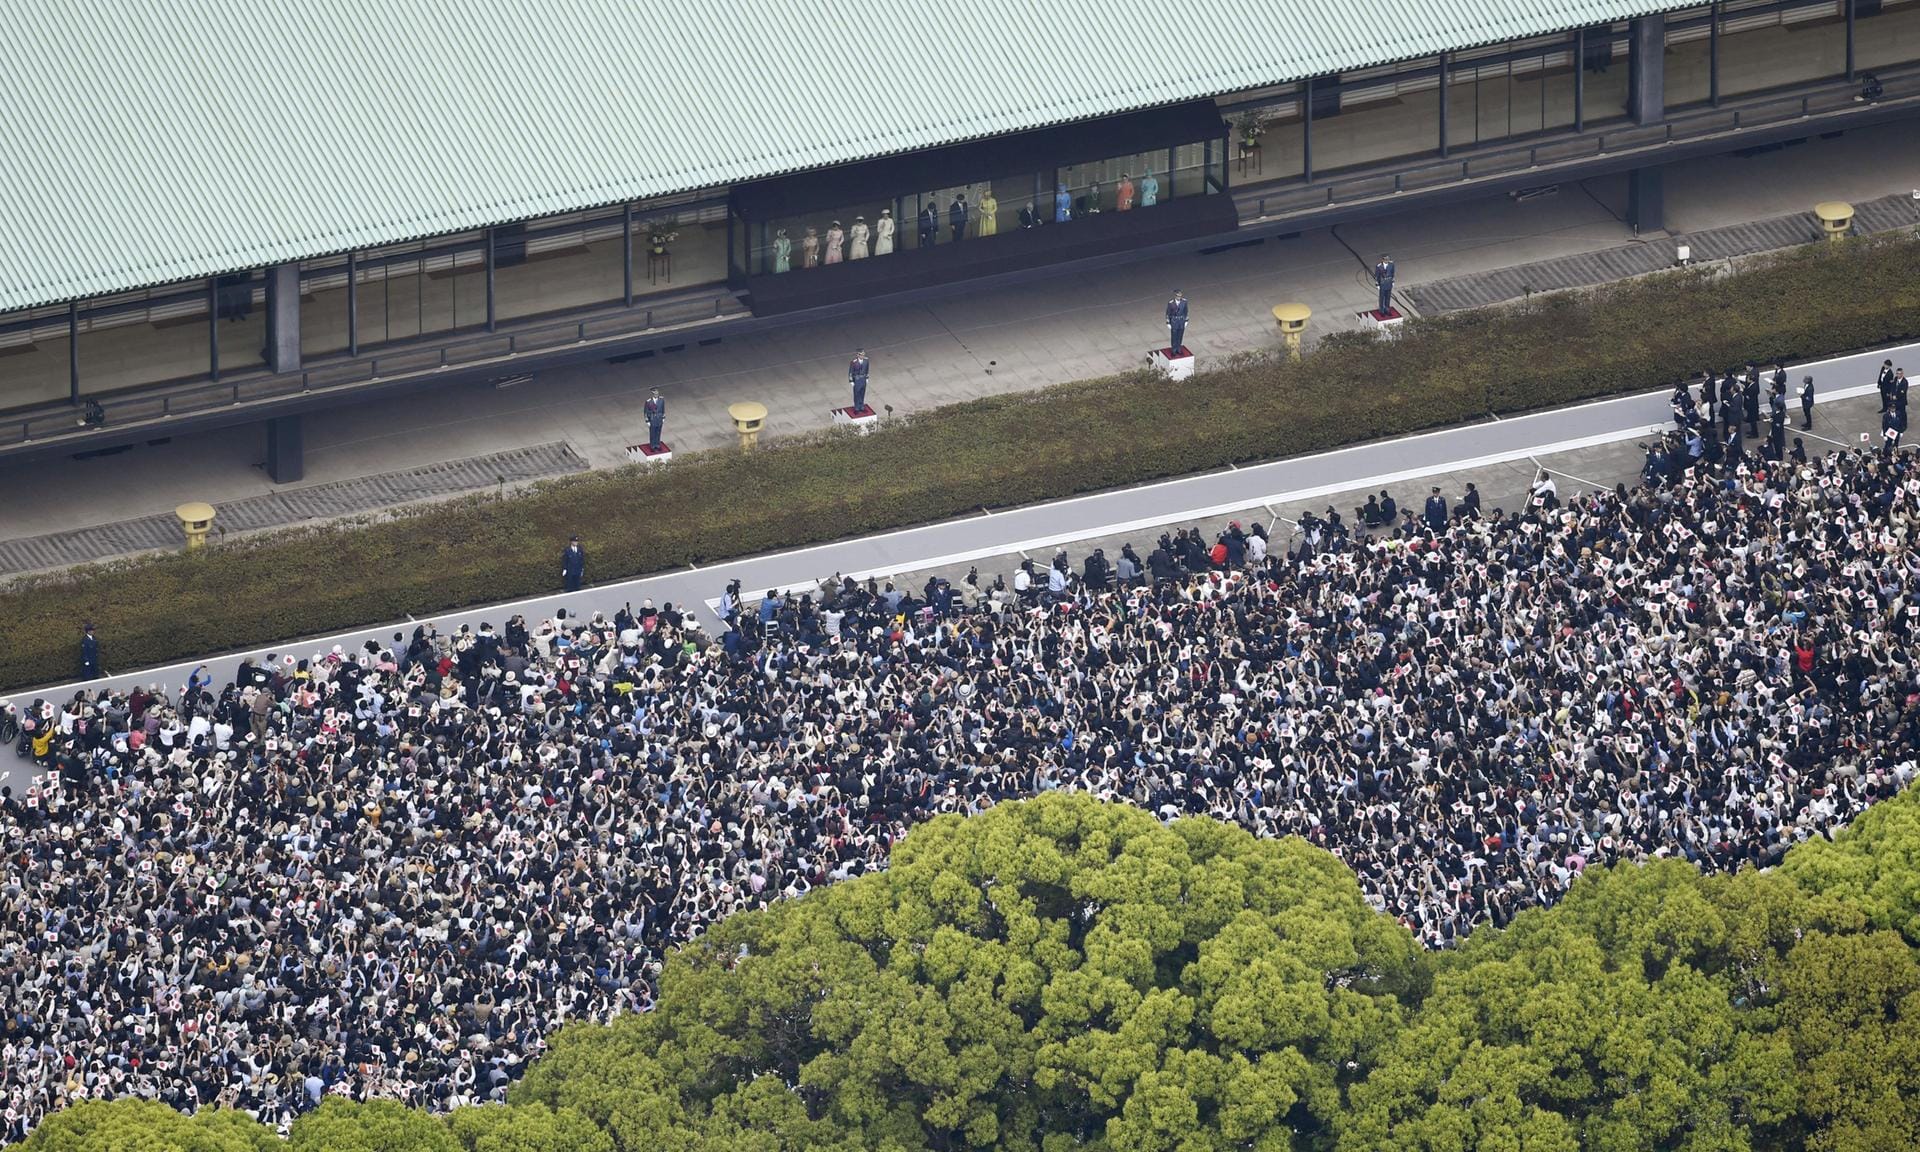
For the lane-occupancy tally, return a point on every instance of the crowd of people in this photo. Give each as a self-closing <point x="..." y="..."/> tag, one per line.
<point x="390" y="872"/>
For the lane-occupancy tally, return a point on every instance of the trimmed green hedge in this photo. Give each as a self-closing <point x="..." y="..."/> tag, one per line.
<point x="1004" y="450"/>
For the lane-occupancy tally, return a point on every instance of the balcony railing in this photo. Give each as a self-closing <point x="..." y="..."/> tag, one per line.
<point x="153" y="404"/>
<point x="1277" y="201"/>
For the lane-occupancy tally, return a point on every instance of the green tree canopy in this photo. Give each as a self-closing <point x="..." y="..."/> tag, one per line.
<point x="376" y="1126"/>
<point x="1874" y="865"/>
<point x="1056" y="970"/>
<point x="526" y="1128"/>
<point x="149" y="1126"/>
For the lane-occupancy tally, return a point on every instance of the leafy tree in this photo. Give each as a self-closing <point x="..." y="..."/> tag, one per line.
<point x="1849" y="1010"/>
<point x="148" y="1126"/>
<point x="1874" y="865"/>
<point x="1054" y="972"/>
<point x="526" y="1128"/>
<point x="376" y="1126"/>
<point x="1608" y="1023"/>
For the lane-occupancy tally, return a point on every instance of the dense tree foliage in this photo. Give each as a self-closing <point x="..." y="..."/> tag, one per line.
<point x="1065" y="974"/>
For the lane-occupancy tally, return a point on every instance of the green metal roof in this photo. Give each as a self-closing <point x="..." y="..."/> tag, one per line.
<point x="148" y="141"/>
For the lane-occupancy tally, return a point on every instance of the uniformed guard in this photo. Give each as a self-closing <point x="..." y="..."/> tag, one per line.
<point x="1176" y="321"/>
<point x="857" y="376"/>
<point x="1885" y="383"/>
<point x="89" y="653"/>
<point x="1806" y="402"/>
<point x="1383" y="279"/>
<point x="656" y="410"/>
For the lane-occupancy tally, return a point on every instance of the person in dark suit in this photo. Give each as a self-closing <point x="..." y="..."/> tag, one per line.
<point x="1469" y="504"/>
<point x="1709" y="394"/>
<point x="929" y="222"/>
<point x="1750" y="395"/>
<point x="1437" y="511"/>
<point x="573" y="565"/>
<point x="1806" y="402"/>
<point x="857" y="376"/>
<point x="1900" y="396"/>
<point x="656" y="411"/>
<point x="89" y="653"/>
<point x="1885" y="383"/>
<point x="1383" y="280"/>
<point x="1682" y="405"/>
<point x="1030" y="216"/>
<point x="1777" y="420"/>
<point x="1177" y="321"/>
<point x="957" y="213"/>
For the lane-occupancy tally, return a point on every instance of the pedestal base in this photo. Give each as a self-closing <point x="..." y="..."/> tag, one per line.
<point x="641" y="454"/>
<point x="1386" y="323"/>
<point x="1174" y="363"/>
<point x="863" y="418"/>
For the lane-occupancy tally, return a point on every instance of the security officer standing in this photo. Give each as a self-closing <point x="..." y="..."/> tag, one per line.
<point x="1437" y="511"/>
<point x="1777" y="415"/>
<point x="1806" y="402"/>
<point x="1885" y="384"/>
<point x="656" y="411"/>
<point x="89" y="653"/>
<point x="857" y="376"/>
<point x="1383" y="280"/>
<point x="1750" y="394"/>
<point x="573" y="565"/>
<point x="1900" y="396"/>
<point x="1177" y="321"/>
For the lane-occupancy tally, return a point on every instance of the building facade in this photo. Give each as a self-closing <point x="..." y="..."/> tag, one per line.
<point x="321" y="322"/>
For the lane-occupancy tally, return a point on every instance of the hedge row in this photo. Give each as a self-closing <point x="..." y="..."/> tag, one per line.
<point x="998" y="451"/>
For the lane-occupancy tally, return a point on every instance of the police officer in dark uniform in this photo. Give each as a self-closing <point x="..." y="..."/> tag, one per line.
<point x="857" y="376"/>
<point x="1436" y="511"/>
<point x="1177" y="321"/>
<point x="573" y="565"/>
<point x="656" y="412"/>
<point x="1383" y="280"/>
<point x="1777" y="417"/>
<point x="89" y="653"/>
<point x="1806" y="402"/>
<point x="1750" y="394"/>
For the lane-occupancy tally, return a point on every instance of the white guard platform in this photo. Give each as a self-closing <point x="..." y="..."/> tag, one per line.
<point x="1176" y="363"/>
<point x="864" y="419"/>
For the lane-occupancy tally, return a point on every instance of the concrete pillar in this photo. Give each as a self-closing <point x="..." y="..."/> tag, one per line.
<point x="286" y="462"/>
<point x="1646" y="196"/>
<point x="1647" y="69"/>
<point x="283" y="318"/>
